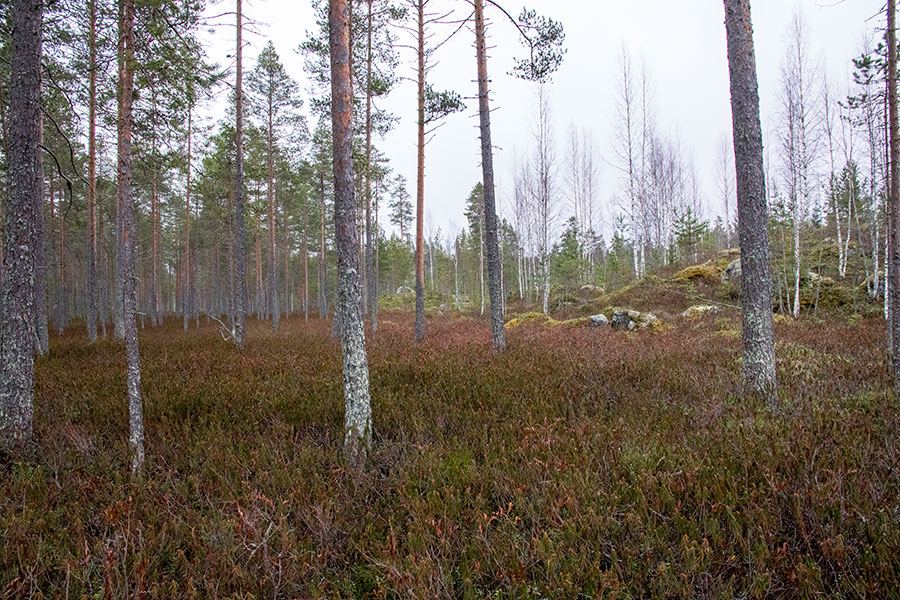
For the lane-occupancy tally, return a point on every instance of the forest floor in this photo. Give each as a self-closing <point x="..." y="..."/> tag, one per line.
<point x="580" y="463"/>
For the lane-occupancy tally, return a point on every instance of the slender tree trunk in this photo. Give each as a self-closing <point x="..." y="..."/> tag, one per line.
<point x="305" y="269"/>
<point x="358" y="414"/>
<point x="498" y="335"/>
<point x="187" y="300"/>
<point x="894" y="127"/>
<point x="41" y="310"/>
<point x="133" y="368"/>
<point x="756" y="281"/>
<point x="26" y="189"/>
<point x="270" y="201"/>
<point x="240" y="270"/>
<point x="420" y="179"/>
<point x="322" y="267"/>
<point x="92" y="174"/>
<point x="372" y="295"/>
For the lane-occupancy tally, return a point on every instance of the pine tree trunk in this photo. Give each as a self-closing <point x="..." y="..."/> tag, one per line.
<point x="270" y="201"/>
<point x="322" y="268"/>
<point x="132" y="354"/>
<point x="26" y="188"/>
<point x="40" y="277"/>
<point x="358" y="416"/>
<point x="187" y="300"/>
<point x="756" y="283"/>
<point x="240" y="270"/>
<point x="420" y="179"/>
<point x="894" y="127"/>
<point x="92" y="174"/>
<point x="498" y="335"/>
<point x="372" y="295"/>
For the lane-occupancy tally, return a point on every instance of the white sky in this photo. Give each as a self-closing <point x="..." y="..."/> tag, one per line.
<point x="682" y="43"/>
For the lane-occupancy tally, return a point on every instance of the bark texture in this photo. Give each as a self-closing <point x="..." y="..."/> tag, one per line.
<point x="495" y="291"/>
<point x="240" y="270"/>
<point x="756" y="279"/>
<point x="25" y="191"/>
<point x="92" y="173"/>
<point x="420" y="179"/>
<point x="358" y="413"/>
<point x="129" y="303"/>
<point x="894" y="130"/>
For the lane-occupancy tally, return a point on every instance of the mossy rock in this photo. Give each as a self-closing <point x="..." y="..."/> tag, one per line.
<point x="529" y="318"/>
<point x="697" y="273"/>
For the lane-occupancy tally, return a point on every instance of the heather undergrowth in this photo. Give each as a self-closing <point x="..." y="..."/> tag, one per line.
<point x="580" y="463"/>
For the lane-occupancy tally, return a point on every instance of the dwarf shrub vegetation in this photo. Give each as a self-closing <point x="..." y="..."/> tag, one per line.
<point x="580" y="463"/>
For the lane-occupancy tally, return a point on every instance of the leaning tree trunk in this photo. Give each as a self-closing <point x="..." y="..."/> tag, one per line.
<point x="240" y="269"/>
<point x="26" y="187"/>
<point x="894" y="127"/>
<point x="756" y="278"/>
<point x="420" y="183"/>
<point x="129" y="301"/>
<point x="358" y="413"/>
<point x="498" y="335"/>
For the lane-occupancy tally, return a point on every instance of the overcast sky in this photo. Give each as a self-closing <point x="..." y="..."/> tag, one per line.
<point x="682" y="44"/>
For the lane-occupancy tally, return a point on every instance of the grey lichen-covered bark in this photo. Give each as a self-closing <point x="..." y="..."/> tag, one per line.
<point x="92" y="174"/>
<point x="240" y="270"/>
<point x="495" y="290"/>
<point x="358" y="413"/>
<point x="25" y="186"/>
<point x="756" y="278"/>
<point x="42" y="329"/>
<point x="129" y="303"/>
<point x="419" y="329"/>
<point x="894" y="233"/>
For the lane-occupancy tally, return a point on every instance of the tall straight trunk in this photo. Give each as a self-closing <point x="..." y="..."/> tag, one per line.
<point x="261" y="304"/>
<point x="420" y="180"/>
<point x="371" y="285"/>
<point x="92" y="174"/>
<point x="270" y="201"/>
<point x="357" y="412"/>
<point x="481" y="262"/>
<point x="133" y="363"/>
<point x="187" y="301"/>
<point x="796" y="312"/>
<point x="154" y="226"/>
<point x="498" y="335"/>
<point x="322" y="268"/>
<point x="305" y="270"/>
<point x="26" y="188"/>
<point x="756" y="280"/>
<point x="41" y="340"/>
<point x="240" y="281"/>
<point x="894" y="127"/>
<point x="286" y="250"/>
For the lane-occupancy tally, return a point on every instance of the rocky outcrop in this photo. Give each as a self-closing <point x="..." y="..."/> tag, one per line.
<point x="701" y="310"/>
<point x="599" y="321"/>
